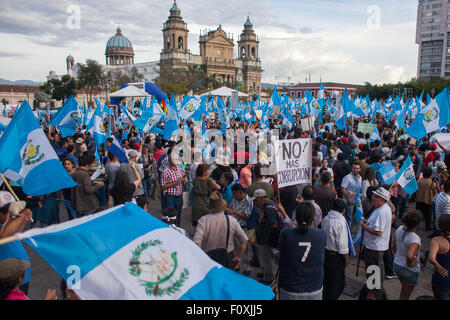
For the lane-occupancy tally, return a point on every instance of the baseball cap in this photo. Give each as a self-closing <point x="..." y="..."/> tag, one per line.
<point x="6" y="198"/>
<point x="260" y="193"/>
<point x="12" y="268"/>
<point x="133" y="153"/>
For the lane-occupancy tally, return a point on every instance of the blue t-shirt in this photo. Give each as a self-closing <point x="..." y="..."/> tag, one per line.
<point x="228" y="194"/>
<point x="301" y="271"/>
<point x="15" y="250"/>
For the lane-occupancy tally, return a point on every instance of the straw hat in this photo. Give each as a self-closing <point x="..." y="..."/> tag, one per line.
<point x="216" y="202"/>
<point x="12" y="268"/>
<point x="382" y="193"/>
<point x="222" y="161"/>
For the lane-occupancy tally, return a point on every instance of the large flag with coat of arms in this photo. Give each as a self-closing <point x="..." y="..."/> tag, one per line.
<point x="151" y="261"/>
<point x="28" y="158"/>
<point x="406" y="177"/>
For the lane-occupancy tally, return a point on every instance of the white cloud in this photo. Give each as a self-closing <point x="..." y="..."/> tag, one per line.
<point x="291" y="44"/>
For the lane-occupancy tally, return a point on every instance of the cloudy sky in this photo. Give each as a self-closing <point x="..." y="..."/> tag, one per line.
<point x="349" y="41"/>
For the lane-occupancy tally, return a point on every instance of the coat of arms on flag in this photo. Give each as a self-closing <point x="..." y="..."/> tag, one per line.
<point x="31" y="154"/>
<point x="155" y="267"/>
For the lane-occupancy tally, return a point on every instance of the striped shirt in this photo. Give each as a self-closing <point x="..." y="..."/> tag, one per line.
<point x="171" y="175"/>
<point x="442" y="205"/>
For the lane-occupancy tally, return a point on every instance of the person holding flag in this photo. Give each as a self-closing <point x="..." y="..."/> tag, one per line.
<point x="337" y="251"/>
<point x="377" y="232"/>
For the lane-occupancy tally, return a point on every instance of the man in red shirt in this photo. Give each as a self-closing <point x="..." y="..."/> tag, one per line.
<point x="172" y="181"/>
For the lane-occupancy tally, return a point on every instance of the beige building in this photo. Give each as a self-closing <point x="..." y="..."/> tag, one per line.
<point x="216" y="53"/>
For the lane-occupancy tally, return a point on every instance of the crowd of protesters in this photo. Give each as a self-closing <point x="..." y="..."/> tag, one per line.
<point x="297" y="237"/>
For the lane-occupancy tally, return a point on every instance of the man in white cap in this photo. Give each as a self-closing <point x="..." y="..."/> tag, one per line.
<point x="377" y="232"/>
<point x="8" y="227"/>
<point x="133" y="156"/>
<point x="267" y="234"/>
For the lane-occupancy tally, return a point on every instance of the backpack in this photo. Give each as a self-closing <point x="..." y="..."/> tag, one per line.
<point x="253" y="220"/>
<point x="221" y="255"/>
<point x="265" y="234"/>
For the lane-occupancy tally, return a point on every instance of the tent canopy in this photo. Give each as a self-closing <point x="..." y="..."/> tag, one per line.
<point x="130" y="91"/>
<point x="224" y="92"/>
<point x="148" y="87"/>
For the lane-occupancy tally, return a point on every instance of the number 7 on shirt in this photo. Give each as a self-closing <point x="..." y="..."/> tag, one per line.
<point x="308" y="248"/>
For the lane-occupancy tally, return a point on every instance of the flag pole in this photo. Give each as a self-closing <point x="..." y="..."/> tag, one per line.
<point x="8" y="240"/>
<point x="9" y="187"/>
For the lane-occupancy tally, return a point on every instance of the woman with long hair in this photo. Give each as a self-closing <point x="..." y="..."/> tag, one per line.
<point x="302" y="254"/>
<point x="369" y="180"/>
<point x="123" y="188"/>
<point x="203" y="186"/>
<point x="407" y="248"/>
<point x="440" y="257"/>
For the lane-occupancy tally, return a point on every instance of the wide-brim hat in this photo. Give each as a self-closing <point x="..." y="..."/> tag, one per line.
<point x="382" y="193"/>
<point x="222" y="161"/>
<point x="216" y="202"/>
<point x="79" y="141"/>
<point x="12" y="268"/>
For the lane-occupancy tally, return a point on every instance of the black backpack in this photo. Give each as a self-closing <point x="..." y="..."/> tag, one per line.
<point x="221" y="255"/>
<point x="265" y="234"/>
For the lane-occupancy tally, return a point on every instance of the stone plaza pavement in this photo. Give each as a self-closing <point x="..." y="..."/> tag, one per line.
<point x="44" y="277"/>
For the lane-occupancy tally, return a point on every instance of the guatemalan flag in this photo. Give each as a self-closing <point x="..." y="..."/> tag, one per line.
<point x="433" y="117"/>
<point x="116" y="149"/>
<point x="189" y="107"/>
<point x="98" y="128"/>
<point x="406" y="177"/>
<point x="151" y="261"/>
<point x="388" y="174"/>
<point x="66" y="120"/>
<point x="358" y="218"/>
<point x="28" y="158"/>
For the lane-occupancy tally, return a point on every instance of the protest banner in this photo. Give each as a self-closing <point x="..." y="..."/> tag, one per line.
<point x="366" y="128"/>
<point x="293" y="161"/>
<point x="308" y="124"/>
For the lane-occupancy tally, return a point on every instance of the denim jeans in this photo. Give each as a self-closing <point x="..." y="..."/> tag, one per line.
<point x="102" y="197"/>
<point x="440" y="293"/>
<point x="147" y="185"/>
<point x="349" y="214"/>
<point x="175" y="202"/>
<point x="267" y="261"/>
<point x="286" y="296"/>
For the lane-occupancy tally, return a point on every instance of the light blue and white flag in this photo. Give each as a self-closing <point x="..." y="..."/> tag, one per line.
<point x="406" y="177"/>
<point x="434" y="116"/>
<point x="117" y="149"/>
<point x="29" y="159"/>
<point x="189" y="107"/>
<point x="341" y="116"/>
<point x="148" y="124"/>
<point x="66" y="120"/>
<point x="98" y="128"/>
<point x="151" y="261"/>
<point x="127" y="113"/>
<point x="171" y="125"/>
<point x="375" y="135"/>
<point x="388" y="174"/>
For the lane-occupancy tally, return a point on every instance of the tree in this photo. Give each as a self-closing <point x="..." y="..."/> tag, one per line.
<point x="181" y="81"/>
<point x="90" y="77"/>
<point x="116" y="78"/>
<point x="383" y="91"/>
<point x="60" y="89"/>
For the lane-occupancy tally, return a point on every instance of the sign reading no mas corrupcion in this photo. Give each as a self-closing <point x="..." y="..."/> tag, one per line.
<point x="293" y="159"/>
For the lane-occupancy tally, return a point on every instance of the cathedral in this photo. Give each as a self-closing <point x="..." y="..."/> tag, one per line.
<point x="216" y="56"/>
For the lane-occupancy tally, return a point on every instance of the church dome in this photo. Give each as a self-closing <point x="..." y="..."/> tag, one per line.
<point x="248" y="23"/>
<point x="119" y="50"/>
<point x="119" y="41"/>
<point x="175" y="11"/>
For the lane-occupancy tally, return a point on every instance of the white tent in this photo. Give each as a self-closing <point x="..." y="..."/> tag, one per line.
<point x="130" y="91"/>
<point x="224" y="92"/>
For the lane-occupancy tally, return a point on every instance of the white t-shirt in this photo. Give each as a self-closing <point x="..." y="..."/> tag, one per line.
<point x="403" y="242"/>
<point x="328" y="169"/>
<point x="380" y="220"/>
